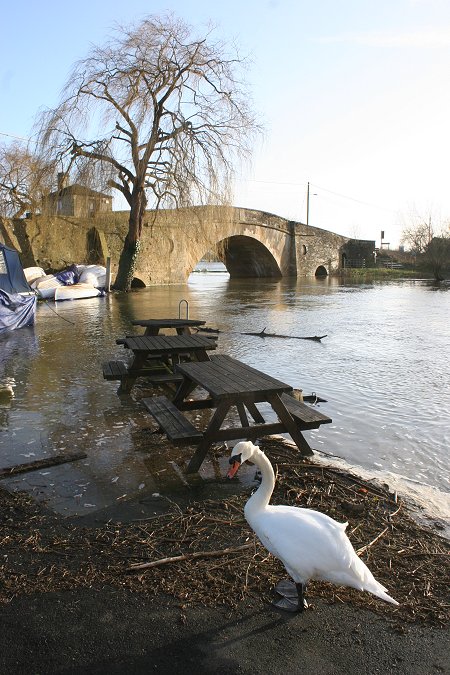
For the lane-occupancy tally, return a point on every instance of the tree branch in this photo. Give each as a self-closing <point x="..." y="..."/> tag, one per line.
<point x="187" y="556"/>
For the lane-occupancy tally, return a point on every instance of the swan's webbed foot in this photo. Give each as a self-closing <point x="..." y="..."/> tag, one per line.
<point x="292" y="599"/>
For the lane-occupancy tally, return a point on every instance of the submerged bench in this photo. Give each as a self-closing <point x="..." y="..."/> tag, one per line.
<point x="180" y="430"/>
<point x="174" y="424"/>
<point x="156" y="372"/>
<point x="114" y="370"/>
<point x="305" y="416"/>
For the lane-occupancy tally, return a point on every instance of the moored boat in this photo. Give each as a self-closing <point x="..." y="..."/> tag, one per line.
<point x="46" y="286"/>
<point x="76" y="292"/>
<point x="49" y="286"/>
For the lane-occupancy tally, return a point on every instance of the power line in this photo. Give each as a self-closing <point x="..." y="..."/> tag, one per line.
<point x="20" y="138"/>
<point x="318" y="187"/>
<point x="353" y="199"/>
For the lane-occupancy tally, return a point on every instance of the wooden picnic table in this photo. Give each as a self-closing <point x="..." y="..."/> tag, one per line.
<point x="182" y="326"/>
<point x="229" y="383"/>
<point x="155" y="356"/>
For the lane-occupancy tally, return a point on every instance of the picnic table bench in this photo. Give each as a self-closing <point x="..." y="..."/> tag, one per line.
<point x="231" y="383"/>
<point x="174" y="424"/>
<point x="154" y="357"/>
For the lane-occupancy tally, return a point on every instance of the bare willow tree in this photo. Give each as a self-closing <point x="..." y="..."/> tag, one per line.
<point x="430" y="245"/>
<point x="25" y="178"/>
<point x="164" y="112"/>
<point x="417" y="235"/>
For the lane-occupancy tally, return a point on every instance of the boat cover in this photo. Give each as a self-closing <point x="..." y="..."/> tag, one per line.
<point x="12" y="277"/>
<point x="16" y="311"/>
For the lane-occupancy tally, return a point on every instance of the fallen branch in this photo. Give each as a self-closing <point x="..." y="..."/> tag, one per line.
<point x="367" y="546"/>
<point x="263" y="334"/>
<point x="41" y="464"/>
<point x="187" y="556"/>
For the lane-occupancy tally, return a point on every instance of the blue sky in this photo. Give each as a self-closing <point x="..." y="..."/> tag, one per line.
<point x="354" y="95"/>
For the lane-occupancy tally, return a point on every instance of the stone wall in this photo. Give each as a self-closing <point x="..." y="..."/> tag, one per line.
<point x="318" y="248"/>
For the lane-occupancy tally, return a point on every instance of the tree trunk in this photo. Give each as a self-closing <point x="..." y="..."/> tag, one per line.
<point x="127" y="265"/>
<point x="132" y="246"/>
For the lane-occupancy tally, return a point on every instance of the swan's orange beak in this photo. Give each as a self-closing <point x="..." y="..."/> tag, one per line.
<point x="235" y="464"/>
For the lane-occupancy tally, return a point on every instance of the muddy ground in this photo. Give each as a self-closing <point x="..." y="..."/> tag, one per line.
<point x="78" y="594"/>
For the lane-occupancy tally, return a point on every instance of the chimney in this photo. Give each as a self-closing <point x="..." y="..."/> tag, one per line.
<point x="62" y="180"/>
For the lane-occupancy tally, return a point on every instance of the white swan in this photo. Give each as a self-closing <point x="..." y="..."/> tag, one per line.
<point x="311" y="545"/>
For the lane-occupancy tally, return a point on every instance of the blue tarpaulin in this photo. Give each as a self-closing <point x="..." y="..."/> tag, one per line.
<point x="69" y="276"/>
<point x="16" y="311"/>
<point x="17" y="301"/>
<point x="12" y="277"/>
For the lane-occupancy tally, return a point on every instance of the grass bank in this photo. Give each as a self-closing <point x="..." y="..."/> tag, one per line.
<point x="383" y="273"/>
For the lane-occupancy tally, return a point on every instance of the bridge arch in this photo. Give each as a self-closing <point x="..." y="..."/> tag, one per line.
<point x="321" y="271"/>
<point x="247" y="257"/>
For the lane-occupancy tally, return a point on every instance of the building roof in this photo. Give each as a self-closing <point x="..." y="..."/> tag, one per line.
<point x="77" y="189"/>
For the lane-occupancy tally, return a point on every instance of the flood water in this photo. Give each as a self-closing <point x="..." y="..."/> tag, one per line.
<point x="383" y="367"/>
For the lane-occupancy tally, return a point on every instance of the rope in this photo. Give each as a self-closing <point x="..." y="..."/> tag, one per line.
<point x="55" y="312"/>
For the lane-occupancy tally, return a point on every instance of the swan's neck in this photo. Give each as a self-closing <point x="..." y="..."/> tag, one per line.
<point x="260" y="499"/>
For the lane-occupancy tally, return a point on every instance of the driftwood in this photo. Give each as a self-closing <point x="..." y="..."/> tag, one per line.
<point x="188" y="556"/>
<point x="263" y="334"/>
<point x="41" y="464"/>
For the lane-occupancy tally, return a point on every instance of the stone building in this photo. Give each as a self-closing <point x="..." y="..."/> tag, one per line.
<point x="77" y="201"/>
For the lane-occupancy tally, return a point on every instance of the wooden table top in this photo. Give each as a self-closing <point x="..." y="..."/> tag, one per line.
<point x="224" y="376"/>
<point x="167" y="323"/>
<point x="166" y="344"/>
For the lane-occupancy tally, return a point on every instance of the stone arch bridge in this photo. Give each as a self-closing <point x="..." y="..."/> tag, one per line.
<point x="251" y="243"/>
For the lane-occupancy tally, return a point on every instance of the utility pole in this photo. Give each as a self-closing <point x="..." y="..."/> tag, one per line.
<point x="307" y="205"/>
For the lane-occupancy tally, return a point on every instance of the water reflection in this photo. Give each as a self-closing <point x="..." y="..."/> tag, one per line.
<point x="383" y="368"/>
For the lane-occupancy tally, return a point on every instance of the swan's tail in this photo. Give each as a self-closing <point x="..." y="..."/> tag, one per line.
<point x="381" y="593"/>
<point x="369" y="583"/>
<point x="363" y="579"/>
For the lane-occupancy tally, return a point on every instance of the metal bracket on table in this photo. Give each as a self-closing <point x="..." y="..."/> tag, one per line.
<point x="185" y="302"/>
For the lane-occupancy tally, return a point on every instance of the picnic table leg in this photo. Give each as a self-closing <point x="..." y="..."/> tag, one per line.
<point x="254" y="412"/>
<point x="290" y="424"/>
<point x="126" y="384"/>
<point x="185" y="388"/>
<point x="242" y="414"/>
<point x="208" y="437"/>
<point x="127" y="381"/>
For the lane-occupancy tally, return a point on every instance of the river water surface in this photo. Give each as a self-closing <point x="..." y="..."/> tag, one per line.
<point x="383" y="367"/>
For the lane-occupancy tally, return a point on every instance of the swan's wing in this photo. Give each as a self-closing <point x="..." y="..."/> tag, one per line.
<point x="309" y="543"/>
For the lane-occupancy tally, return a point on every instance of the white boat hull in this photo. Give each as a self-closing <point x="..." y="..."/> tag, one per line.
<point x="46" y="286"/>
<point x="76" y="292"/>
